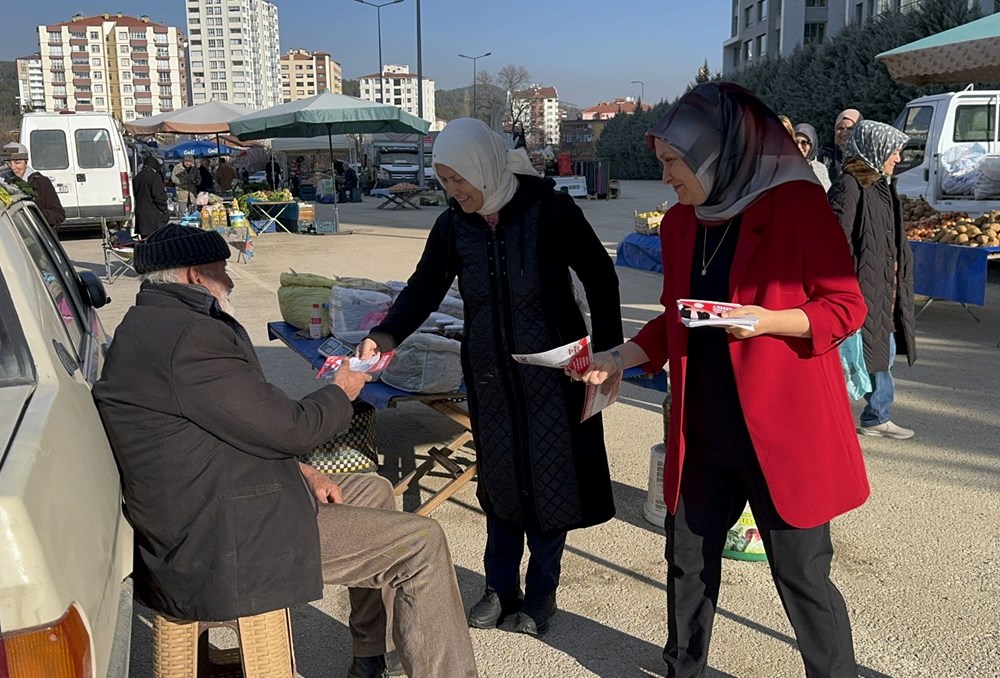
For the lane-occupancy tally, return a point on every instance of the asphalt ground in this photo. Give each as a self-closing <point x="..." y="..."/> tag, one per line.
<point x="918" y="564"/>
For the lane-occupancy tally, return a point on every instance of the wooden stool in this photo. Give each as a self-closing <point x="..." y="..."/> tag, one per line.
<point x="181" y="649"/>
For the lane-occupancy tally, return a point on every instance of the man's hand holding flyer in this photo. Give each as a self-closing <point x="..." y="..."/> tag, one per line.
<point x="372" y="365"/>
<point x="576" y="356"/>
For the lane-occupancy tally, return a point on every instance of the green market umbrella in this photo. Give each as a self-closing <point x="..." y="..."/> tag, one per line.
<point x="967" y="53"/>
<point x="328" y="114"/>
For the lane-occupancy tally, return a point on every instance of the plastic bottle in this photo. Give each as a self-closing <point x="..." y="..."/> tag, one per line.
<point x="206" y="218"/>
<point x="316" y="323"/>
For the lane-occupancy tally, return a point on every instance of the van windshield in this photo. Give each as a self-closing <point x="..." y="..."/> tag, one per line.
<point x="48" y="149"/>
<point x="914" y="121"/>
<point x="93" y="148"/>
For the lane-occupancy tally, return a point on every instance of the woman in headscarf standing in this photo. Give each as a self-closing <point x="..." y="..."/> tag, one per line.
<point x="833" y="155"/>
<point x="757" y="415"/>
<point x="864" y="198"/>
<point x="512" y="241"/>
<point x="806" y="139"/>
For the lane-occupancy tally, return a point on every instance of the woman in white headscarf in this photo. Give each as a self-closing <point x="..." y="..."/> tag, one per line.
<point x="511" y="241"/>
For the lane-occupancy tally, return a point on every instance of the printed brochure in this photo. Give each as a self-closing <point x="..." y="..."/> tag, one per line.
<point x="576" y="355"/>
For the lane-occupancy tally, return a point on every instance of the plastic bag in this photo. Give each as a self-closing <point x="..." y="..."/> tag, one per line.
<point x="426" y="363"/>
<point x="353" y="312"/>
<point x="298" y="293"/>
<point x="852" y="360"/>
<point x="361" y="284"/>
<point x="988" y="183"/>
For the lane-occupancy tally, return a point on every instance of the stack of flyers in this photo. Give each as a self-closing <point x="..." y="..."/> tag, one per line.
<point x="372" y="365"/>
<point x="576" y="356"/>
<point x="702" y="313"/>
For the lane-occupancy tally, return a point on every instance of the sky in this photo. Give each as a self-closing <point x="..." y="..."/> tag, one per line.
<point x="590" y="50"/>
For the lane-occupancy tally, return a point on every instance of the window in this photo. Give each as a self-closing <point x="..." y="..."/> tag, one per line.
<point x="124" y="62"/>
<point x="56" y="51"/>
<point x="748" y="17"/>
<point x="48" y="148"/>
<point x="974" y="122"/>
<point x="761" y="45"/>
<point x="59" y="103"/>
<point x="130" y="115"/>
<point x="815" y="3"/>
<point x="95" y="62"/>
<point x="123" y="49"/>
<point x="99" y="88"/>
<point x="94" y="35"/>
<point x="122" y="35"/>
<point x="59" y="90"/>
<point x="99" y="101"/>
<point x="98" y="75"/>
<point x="748" y="50"/>
<point x="54" y="273"/>
<point x="78" y="35"/>
<point x="166" y="91"/>
<point x="914" y="121"/>
<point x="59" y="76"/>
<point x="814" y="33"/>
<point x="55" y="36"/>
<point x="736" y="19"/>
<point x="127" y="89"/>
<point x="126" y="75"/>
<point x="129" y="101"/>
<point x="761" y="10"/>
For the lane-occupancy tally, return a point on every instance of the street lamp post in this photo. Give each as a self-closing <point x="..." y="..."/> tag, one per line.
<point x="642" y="89"/>
<point x="474" y="60"/>
<point x="381" y="74"/>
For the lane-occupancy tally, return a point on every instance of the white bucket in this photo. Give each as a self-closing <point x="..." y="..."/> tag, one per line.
<point x="654" y="510"/>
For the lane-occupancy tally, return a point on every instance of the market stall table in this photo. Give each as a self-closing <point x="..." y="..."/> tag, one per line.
<point x="270" y="213"/>
<point x="398" y="199"/>
<point x="951" y="273"/>
<point x="382" y="396"/>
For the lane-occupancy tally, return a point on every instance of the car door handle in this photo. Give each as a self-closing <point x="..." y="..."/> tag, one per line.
<point x="81" y="178"/>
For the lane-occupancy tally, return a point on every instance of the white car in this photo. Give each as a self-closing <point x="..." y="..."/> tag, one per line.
<point x="66" y="547"/>
<point x="258" y="177"/>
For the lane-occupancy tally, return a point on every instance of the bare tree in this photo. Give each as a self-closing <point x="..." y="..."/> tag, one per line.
<point x="486" y="96"/>
<point x="512" y="79"/>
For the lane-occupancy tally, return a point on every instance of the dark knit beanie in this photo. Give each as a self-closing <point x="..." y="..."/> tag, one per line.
<point x="175" y="246"/>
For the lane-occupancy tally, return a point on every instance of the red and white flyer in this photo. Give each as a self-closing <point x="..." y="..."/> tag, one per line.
<point x="372" y="365"/>
<point x="704" y="313"/>
<point x="576" y="356"/>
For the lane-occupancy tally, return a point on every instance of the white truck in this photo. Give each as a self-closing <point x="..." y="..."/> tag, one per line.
<point x="948" y="132"/>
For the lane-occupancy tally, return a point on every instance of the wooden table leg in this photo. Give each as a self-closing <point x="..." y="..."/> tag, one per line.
<point x="428" y="464"/>
<point x="445" y="492"/>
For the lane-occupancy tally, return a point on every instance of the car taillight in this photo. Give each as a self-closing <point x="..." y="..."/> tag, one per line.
<point x="126" y="192"/>
<point x="57" y="650"/>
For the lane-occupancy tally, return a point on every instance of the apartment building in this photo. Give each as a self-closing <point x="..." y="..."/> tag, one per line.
<point x="400" y="90"/>
<point x="537" y="109"/>
<point x="30" y="83"/>
<point x="305" y="74"/>
<point x="129" y="66"/>
<point x="234" y="52"/>
<point x="761" y="28"/>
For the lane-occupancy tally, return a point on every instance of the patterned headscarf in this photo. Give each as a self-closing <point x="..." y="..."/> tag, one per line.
<point x="809" y="132"/>
<point x="873" y="142"/>
<point x="480" y="156"/>
<point x="735" y="145"/>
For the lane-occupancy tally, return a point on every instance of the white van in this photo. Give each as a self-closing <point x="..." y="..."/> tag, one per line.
<point x="85" y="156"/>
<point x="938" y="125"/>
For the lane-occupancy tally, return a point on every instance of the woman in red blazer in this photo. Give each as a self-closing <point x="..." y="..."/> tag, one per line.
<point x="757" y="415"/>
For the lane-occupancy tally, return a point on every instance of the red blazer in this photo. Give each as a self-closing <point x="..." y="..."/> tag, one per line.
<point x="791" y="253"/>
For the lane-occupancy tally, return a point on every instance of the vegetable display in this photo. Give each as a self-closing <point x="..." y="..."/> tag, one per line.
<point x="923" y="222"/>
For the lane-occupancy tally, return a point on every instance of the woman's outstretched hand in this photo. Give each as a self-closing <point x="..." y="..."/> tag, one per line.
<point x="366" y="349"/>
<point x="792" y="322"/>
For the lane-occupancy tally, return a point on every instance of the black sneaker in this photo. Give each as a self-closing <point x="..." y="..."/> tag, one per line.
<point x="490" y="611"/>
<point x="535" y="614"/>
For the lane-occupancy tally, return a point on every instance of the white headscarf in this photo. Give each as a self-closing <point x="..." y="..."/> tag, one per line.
<point x="480" y="156"/>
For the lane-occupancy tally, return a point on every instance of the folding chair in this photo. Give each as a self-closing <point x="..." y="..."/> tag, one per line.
<point x="118" y="252"/>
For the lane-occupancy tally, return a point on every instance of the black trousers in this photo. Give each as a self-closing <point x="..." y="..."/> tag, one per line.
<point x="502" y="559"/>
<point x="712" y="499"/>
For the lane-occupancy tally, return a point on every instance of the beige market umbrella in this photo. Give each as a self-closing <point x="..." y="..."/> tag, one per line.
<point x="209" y="118"/>
<point x="965" y="54"/>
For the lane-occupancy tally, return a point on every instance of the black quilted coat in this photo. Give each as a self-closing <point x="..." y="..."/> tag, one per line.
<point x="538" y="465"/>
<point x="869" y="210"/>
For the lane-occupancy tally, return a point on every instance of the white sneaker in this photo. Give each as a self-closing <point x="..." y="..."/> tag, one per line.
<point x="886" y="430"/>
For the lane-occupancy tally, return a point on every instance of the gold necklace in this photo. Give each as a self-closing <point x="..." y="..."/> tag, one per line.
<point x="704" y="247"/>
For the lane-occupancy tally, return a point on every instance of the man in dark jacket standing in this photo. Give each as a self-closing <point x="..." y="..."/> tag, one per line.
<point x="227" y="523"/>
<point x="46" y="197"/>
<point x="151" y="211"/>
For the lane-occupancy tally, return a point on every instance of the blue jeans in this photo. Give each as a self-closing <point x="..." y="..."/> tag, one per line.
<point x="883" y="391"/>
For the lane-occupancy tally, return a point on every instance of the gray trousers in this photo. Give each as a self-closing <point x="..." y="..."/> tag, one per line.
<point x="381" y="553"/>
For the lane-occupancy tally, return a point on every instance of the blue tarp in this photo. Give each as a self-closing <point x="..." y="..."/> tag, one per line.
<point x="640" y="251"/>
<point x="951" y="272"/>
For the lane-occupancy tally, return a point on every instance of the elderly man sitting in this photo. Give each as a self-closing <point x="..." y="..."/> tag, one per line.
<point x="227" y="522"/>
